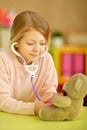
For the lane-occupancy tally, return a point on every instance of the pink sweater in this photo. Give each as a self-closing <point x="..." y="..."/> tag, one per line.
<point x="16" y="94"/>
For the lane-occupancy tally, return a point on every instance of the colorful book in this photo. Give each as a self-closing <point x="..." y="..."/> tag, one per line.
<point x="66" y="64"/>
<point x="78" y="63"/>
<point x="72" y="64"/>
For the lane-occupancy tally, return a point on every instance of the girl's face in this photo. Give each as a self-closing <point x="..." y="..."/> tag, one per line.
<point x="31" y="45"/>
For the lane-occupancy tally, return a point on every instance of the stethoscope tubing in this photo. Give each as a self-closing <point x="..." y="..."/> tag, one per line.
<point x="35" y="92"/>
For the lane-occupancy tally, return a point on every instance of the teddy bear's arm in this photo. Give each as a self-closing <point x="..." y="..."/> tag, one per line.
<point x="61" y="101"/>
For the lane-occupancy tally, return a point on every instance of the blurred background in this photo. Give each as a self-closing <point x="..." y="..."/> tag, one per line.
<point x="64" y="15"/>
<point x="68" y="21"/>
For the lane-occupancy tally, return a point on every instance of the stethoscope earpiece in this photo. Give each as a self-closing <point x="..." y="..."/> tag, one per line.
<point x="13" y="48"/>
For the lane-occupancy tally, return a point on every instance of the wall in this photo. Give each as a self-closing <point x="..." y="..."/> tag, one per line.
<point x="63" y="15"/>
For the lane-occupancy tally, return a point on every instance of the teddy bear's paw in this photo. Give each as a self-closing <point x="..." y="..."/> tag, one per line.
<point x="61" y="101"/>
<point x="51" y="114"/>
<point x="48" y="113"/>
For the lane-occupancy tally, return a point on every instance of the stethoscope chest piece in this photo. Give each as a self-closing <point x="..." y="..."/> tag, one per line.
<point x="32" y="69"/>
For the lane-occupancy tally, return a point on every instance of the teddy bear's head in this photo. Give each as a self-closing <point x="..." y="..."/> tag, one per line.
<point x="76" y="87"/>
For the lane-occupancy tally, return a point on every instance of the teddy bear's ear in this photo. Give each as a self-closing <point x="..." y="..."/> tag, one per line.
<point x="78" y="84"/>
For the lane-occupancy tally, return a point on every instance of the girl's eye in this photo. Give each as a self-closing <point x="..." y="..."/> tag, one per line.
<point x="42" y="43"/>
<point x="30" y="43"/>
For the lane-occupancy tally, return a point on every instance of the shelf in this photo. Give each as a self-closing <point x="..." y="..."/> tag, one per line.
<point x="72" y="50"/>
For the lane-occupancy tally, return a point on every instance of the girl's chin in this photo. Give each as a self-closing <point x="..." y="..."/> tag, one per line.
<point x="33" y="60"/>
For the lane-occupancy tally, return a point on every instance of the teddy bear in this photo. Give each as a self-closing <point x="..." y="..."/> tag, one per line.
<point x="67" y="106"/>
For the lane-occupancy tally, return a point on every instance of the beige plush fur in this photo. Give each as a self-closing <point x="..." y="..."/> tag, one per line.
<point x="67" y="107"/>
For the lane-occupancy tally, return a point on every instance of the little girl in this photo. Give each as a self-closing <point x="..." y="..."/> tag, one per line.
<point x="28" y="77"/>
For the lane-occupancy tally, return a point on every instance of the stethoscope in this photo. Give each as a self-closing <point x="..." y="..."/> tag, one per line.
<point x="31" y="69"/>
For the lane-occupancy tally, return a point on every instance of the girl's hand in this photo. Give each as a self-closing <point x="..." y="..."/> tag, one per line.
<point x="40" y="104"/>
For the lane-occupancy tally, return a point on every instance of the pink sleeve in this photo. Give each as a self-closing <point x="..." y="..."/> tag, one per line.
<point x="51" y="80"/>
<point x="7" y="103"/>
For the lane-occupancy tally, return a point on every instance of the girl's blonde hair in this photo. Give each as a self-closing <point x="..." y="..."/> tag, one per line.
<point x="25" y="21"/>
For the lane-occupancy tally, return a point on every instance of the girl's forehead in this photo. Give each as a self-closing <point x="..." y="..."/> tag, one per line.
<point x="33" y="34"/>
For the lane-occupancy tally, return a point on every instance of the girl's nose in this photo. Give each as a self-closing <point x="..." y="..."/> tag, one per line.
<point x="36" y="48"/>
